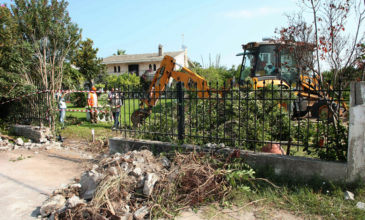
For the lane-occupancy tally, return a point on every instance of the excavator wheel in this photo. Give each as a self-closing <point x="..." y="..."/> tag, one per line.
<point x="139" y="116"/>
<point x="321" y="110"/>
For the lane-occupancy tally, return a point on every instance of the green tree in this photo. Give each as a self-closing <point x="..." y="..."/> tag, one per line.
<point x="86" y="60"/>
<point x="43" y="35"/>
<point x="15" y="56"/>
<point x="72" y="78"/>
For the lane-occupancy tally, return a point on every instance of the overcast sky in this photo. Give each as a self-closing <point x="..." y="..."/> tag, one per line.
<point x="210" y="27"/>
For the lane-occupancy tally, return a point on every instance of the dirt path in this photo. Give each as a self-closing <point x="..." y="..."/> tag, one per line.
<point x="27" y="177"/>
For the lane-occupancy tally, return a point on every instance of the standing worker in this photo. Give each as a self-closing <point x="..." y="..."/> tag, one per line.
<point x="62" y="106"/>
<point x="115" y="103"/>
<point x="92" y="101"/>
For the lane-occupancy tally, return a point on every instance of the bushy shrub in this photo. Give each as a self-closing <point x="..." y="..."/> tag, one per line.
<point x="123" y="81"/>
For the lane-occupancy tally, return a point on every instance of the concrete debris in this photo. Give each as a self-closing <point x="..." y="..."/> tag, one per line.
<point x="349" y="195"/>
<point x="360" y="205"/>
<point x="141" y="213"/>
<point x="129" y="173"/>
<point x="5" y="148"/>
<point x="215" y="146"/>
<point x="52" y="204"/>
<point x="137" y="172"/>
<point x="74" y="201"/>
<point x="35" y="133"/>
<point x="165" y="162"/>
<point x="19" y="142"/>
<point x="89" y="181"/>
<point x="149" y="183"/>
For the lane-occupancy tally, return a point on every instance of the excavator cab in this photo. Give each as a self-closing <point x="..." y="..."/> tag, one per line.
<point x="267" y="61"/>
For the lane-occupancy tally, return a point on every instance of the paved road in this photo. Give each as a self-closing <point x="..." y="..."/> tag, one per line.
<point x="26" y="183"/>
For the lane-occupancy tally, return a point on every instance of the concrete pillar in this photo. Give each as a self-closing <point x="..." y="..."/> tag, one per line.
<point x="356" y="141"/>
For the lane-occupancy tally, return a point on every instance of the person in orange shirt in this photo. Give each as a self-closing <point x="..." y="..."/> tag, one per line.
<point x="92" y="102"/>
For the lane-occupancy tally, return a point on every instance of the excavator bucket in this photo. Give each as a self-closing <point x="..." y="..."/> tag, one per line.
<point x="139" y="116"/>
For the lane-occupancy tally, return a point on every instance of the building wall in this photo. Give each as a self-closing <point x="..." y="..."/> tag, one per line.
<point x="143" y="67"/>
<point x="181" y="60"/>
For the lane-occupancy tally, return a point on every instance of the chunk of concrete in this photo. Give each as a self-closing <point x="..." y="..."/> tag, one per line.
<point x="360" y="205"/>
<point x="137" y="172"/>
<point x="349" y="195"/>
<point x="19" y="142"/>
<point x="74" y="201"/>
<point x="52" y="204"/>
<point x="89" y="181"/>
<point x="165" y="162"/>
<point x="149" y="183"/>
<point x="141" y="213"/>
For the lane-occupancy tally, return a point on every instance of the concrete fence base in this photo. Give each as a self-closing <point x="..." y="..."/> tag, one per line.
<point x="297" y="167"/>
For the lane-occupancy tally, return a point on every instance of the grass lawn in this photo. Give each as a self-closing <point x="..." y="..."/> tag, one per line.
<point x="315" y="200"/>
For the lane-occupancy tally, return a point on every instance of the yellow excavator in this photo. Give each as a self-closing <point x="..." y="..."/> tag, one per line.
<point x="159" y="83"/>
<point x="267" y="63"/>
<point x="271" y="62"/>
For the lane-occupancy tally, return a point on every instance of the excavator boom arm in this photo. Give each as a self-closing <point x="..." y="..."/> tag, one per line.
<point x="160" y="81"/>
<point x="165" y="73"/>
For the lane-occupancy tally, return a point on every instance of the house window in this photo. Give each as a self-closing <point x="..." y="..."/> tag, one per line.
<point x="154" y="67"/>
<point x="115" y="69"/>
<point x="118" y="69"/>
<point x="133" y="69"/>
<point x="150" y="67"/>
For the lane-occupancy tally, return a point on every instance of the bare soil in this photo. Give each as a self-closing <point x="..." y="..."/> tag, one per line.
<point x="27" y="177"/>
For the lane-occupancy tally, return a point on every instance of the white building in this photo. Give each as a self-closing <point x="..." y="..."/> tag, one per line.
<point x="140" y="64"/>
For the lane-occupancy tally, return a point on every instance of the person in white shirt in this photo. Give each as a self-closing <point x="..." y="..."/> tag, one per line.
<point x="63" y="107"/>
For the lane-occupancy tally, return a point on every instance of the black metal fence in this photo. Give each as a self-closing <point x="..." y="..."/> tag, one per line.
<point x="286" y="115"/>
<point x="30" y="109"/>
<point x="302" y="121"/>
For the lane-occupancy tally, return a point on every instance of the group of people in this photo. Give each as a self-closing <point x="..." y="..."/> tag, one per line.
<point x="115" y="100"/>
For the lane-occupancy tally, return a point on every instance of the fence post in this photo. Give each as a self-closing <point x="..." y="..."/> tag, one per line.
<point x="356" y="139"/>
<point x="180" y="111"/>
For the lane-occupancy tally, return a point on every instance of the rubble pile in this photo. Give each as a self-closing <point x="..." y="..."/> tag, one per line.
<point x="8" y="145"/>
<point x="118" y="187"/>
<point x="134" y="185"/>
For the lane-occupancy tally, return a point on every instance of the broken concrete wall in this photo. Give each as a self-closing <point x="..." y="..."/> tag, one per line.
<point x="35" y="133"/>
